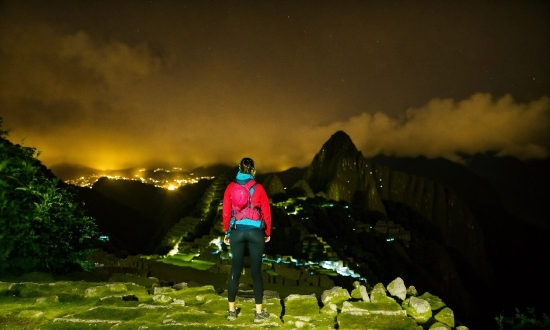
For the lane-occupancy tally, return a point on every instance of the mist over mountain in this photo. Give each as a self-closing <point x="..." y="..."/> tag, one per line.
<point x="68" y="171"/>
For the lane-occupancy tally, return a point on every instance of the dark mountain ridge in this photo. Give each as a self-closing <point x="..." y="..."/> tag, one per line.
<point x="504" y="182"/>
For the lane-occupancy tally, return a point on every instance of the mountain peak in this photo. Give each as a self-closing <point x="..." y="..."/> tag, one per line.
<point x="339" y="143"/>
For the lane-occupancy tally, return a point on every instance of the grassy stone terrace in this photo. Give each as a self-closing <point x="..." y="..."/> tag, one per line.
<point x="36" y="301"/>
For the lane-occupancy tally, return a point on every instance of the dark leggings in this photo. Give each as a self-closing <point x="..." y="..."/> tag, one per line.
<point x="256" y="244"/>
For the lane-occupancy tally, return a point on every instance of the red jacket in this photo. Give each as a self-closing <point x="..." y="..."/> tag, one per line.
<point x="259" y="199"/>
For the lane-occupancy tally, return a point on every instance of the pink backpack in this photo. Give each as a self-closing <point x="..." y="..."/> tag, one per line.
<point x="241" y="201"/>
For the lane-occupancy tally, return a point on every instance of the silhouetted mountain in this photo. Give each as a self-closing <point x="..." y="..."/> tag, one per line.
<point x="212" y="170"/>
<point x="518" y="250"/>
<point x="72" y="171"/>
<point x="128" y="230"/>
<point x="288" y="177"/>
<point x="341" y="172"/>
<point x="136" y="216"/>
<point x="503" y="182"/>
<point x="522" y="186"/>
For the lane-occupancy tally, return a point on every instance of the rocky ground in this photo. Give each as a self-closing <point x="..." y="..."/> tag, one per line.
<point x="133" y="302"/>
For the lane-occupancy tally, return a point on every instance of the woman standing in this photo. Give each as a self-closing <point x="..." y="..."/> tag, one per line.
<point x="246" y="219"/>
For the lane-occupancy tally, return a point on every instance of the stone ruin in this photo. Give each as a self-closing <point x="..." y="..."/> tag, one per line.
<point x="133" y="302"/>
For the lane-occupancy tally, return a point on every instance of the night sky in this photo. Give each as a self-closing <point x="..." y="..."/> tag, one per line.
<point x="116" y="84"/>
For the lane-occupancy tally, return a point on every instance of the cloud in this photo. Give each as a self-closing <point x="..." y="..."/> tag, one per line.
<point x="112" y="104"/>
<point x="55" y="80"/>
<point x="450" y="129"/>
<point x="114" y="61"/>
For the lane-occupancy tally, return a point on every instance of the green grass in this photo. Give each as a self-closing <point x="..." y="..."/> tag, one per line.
<point x="185" y="261"/>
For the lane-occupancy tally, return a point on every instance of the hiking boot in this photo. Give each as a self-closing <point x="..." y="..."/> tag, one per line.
<point x="231" y="316"/>
<point x="259" y="317"/>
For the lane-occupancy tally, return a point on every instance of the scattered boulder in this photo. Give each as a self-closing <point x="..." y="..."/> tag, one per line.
<point x="105" y="290"/>
<point x="179" y="286"/>
<point x="130" y="306"/>
<point x="397" y="288"/>
<point x="365" y="308"/>
<point x="162" y="290"/>
<point x="439" y="326"/>
<point x="179" y="302"/>
<point x="434" y="301"/>
<point x="360" y="293"/>
<point x="418" y="309"/>
<point x="330" y="309"/>
<point x="446" y="316"/>
<point x="30" y="314"/>
<point x="411" y="291"/>
<point x="162" y="299"/>
<point x="48" y="300"/>
<point x="379" y="291"/>
<point x="365" y="315"/>
<point x="335" y="295"/>
<point x="299" y="305"/>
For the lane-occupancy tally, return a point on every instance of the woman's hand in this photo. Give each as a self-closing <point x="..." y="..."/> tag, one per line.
<point x="267" y="238"/>
<point x="226" y="240"/>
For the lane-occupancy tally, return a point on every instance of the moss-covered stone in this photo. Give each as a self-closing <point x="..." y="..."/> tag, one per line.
<point x="89" y="305"/>
<point x="31" y="313"/>
<point x="47" y="300"/>
<point x="378" y="292"/>
<point x="111" y="313"/>
<point x="355" y="293"/>
<point x="105" y="290"/>
<point x="335" y="295"/>
<point x="397" y="288"/>
<point x="376" y="321"/>
<point x="273" y="306"/>
<point x="360" y="292"/>
<point x="301" y="305"/>
<point x="418" y="309"/>
<point x="214" y="305"/>
<point x="411" y="291"/>
<point x="381" y="299"/>
<point x="434" y="301"/>
<point x="162" y="299"/>
<point x="309" y="322"/>
<point x="446" y="316"/>
<point x="329" y="309"/>
<point x="439" y="326"/>
<point x="389" y="307"/>
<point x="146" y="282"/>
<point x="194" y="296"/>
<point x="162" y="290"/>
<point x="73" y="323"/>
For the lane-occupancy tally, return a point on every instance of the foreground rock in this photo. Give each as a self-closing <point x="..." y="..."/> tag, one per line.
<point x="127" y="305"/>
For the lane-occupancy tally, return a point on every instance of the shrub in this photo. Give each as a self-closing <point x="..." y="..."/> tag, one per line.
<point x="523" y="321"/>
<point x="41" y="227"/>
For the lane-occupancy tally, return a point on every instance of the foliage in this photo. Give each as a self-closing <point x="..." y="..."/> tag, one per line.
<point x="522" y="321"/>
<point x="41" y="227"/>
